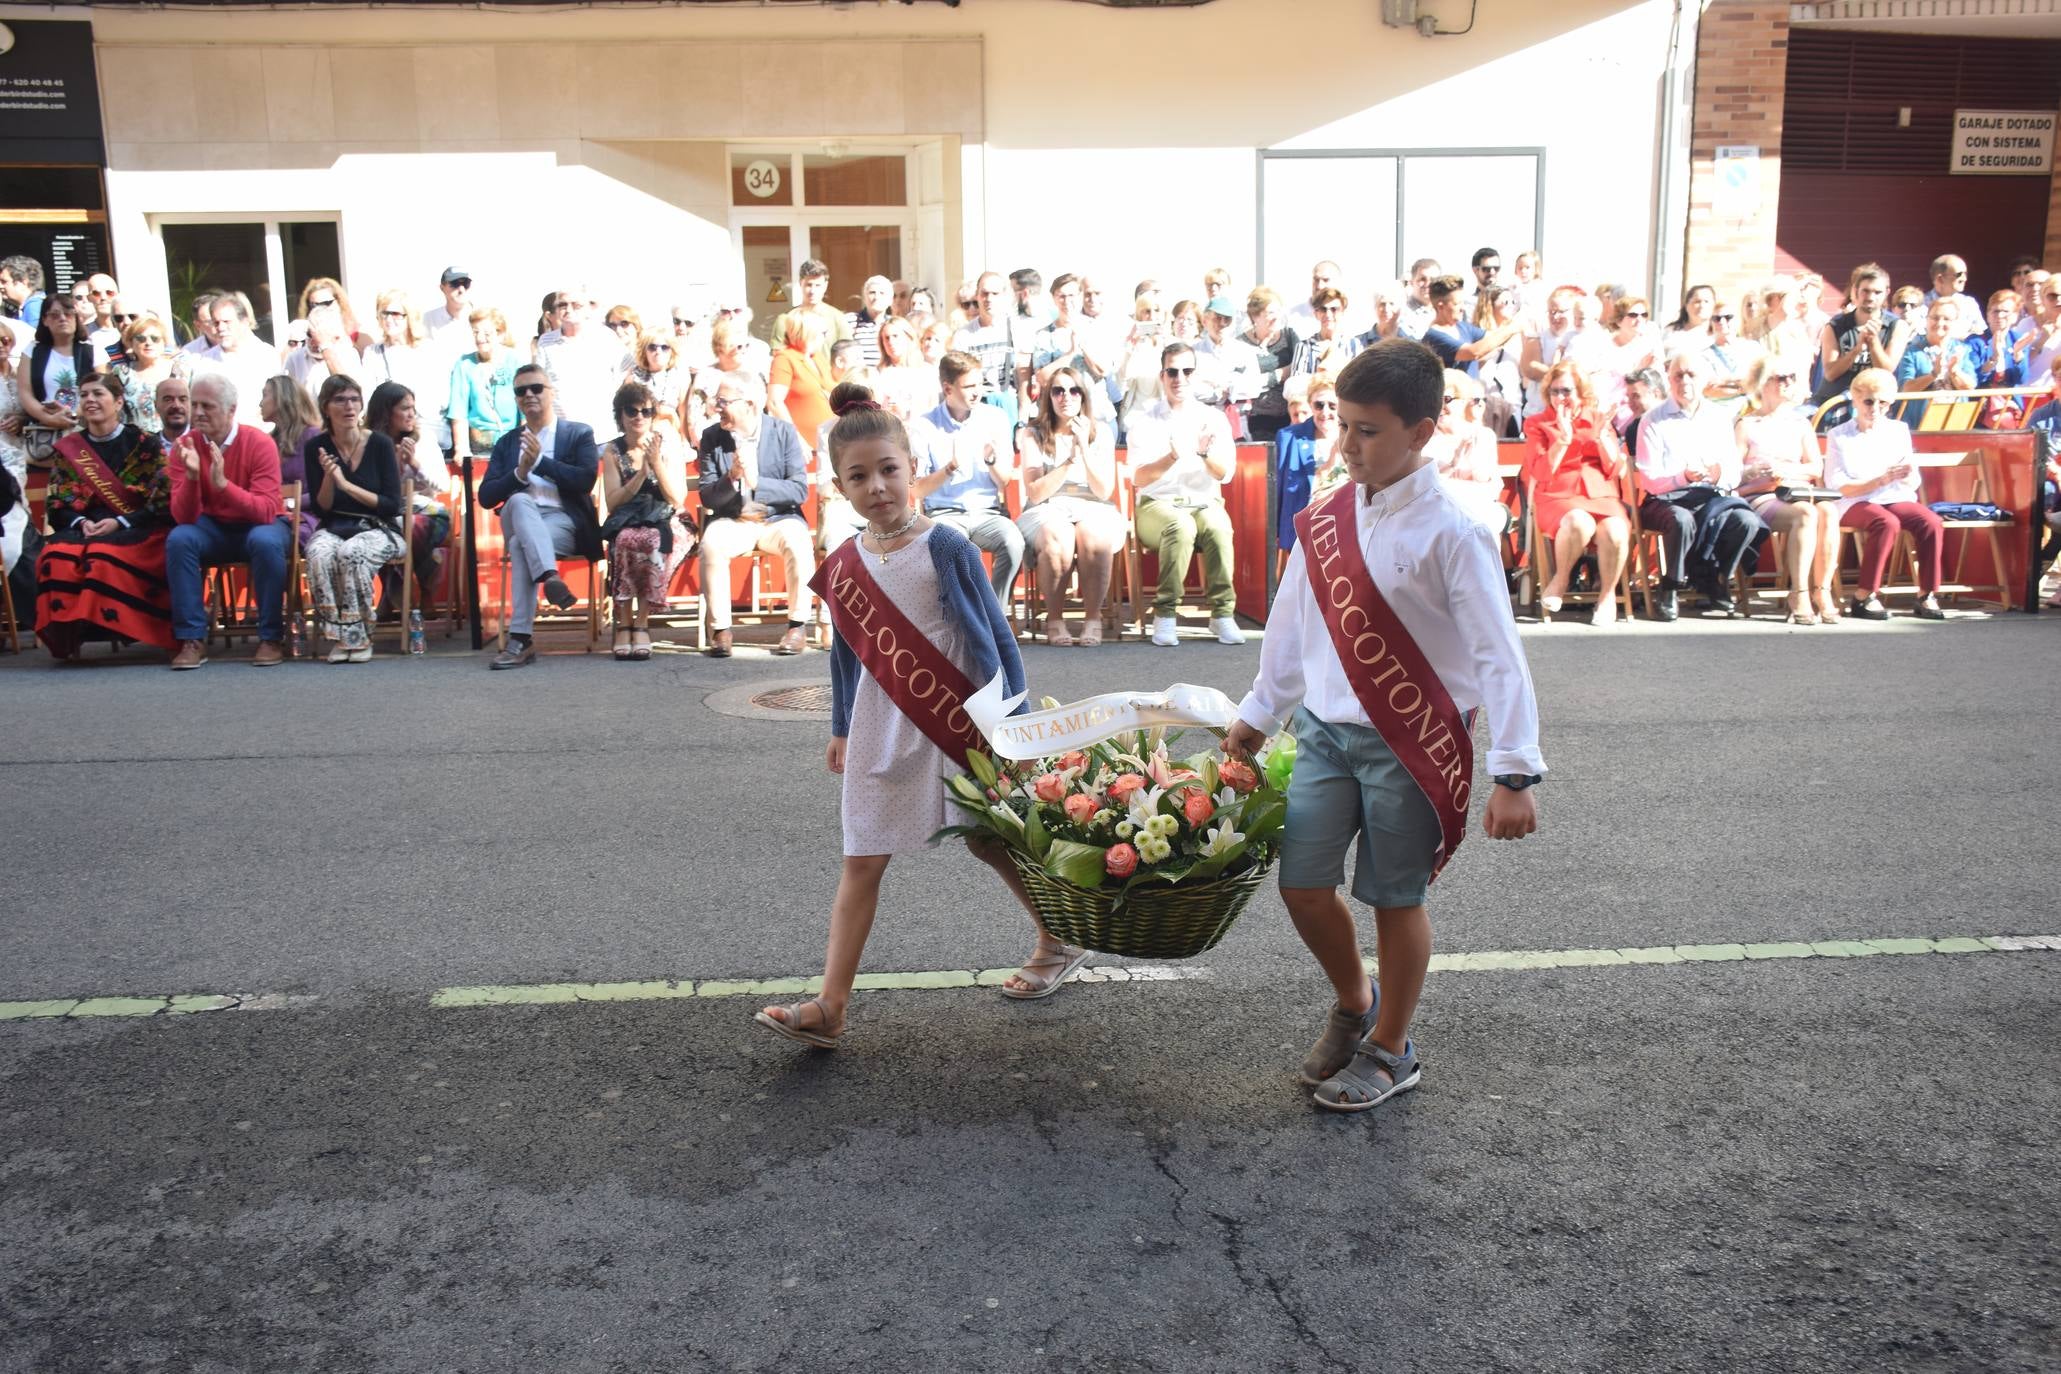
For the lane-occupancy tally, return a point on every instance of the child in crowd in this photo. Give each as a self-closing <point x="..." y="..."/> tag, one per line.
<point x="909" y="603"/>
<point x="1410" y="633"/>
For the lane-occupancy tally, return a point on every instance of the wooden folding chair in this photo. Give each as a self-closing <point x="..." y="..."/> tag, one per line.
<point x="1905" y="551"/>
<point x="232" y="609"/>
<point x="7" y="608"/>
<point x="1543" y="566"/>
<point x="1123" y="570"/>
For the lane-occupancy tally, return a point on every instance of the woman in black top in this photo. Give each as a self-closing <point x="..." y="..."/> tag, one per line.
<point x="355" y="492"/>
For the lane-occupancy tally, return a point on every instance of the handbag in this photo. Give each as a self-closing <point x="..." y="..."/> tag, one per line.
<point x="41" y="442"/>
<point x="646" y="510"/>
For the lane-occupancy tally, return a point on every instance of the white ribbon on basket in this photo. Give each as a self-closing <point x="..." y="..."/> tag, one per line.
<point x="1091" y="719"/>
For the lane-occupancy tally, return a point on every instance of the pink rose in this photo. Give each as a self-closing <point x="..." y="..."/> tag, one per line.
<point x="1080" y="808"/>
<point x="1197" y="806"/>
<point x="1121" y="861"/>
<point x="1073" y="759"/>
<point x="1237" y="775"/>
<point x="1120" y="791"/>
<point x="1050" y="787"/>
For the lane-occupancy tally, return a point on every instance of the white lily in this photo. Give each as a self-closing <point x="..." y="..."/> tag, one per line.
<point x="1145" y="805"/>
<point x="1220" y="838"/>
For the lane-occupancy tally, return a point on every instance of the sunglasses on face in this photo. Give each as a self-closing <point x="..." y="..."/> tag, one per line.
<point x="658" y="348"/>
<point x="640" y="412"/>
<point x="462" y="284"/>
<point x="150" y="338"/>
<point x="122" y="319"/>
<point x="393" y="314"/>
<point x="620" y="325"/>
<point x="531" y="389"/>
<point x="316" y="305"/>
<point x="1326" y="406"/>
<point x="1874" y="403"/>
<point x="1180" y="371"/>
<point x="1635" y="315"/>
<point x="679" y="323"/>
<point x="1782" y="377"/>
<point x="1725" y="315"/>
<point x="1066" y="391"/>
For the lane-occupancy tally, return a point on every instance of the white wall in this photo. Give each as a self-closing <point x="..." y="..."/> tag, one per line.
<point x="1116" y="141"/>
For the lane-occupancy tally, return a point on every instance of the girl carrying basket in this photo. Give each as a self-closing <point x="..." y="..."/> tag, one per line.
<point x="916" y="630"/>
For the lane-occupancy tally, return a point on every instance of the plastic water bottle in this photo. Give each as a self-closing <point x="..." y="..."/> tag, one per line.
<point x="295" y="647"/>
<point x="416" y="643"/>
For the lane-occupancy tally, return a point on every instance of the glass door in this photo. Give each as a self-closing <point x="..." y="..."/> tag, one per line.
<point x="848" y="209"/>
<point x="769" y="264"/>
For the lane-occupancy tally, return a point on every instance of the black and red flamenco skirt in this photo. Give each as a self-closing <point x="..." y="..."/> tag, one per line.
<point x="110" y="589"/>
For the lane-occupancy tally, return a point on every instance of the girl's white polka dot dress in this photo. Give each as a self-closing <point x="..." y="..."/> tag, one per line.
<point x="894" y="777"/>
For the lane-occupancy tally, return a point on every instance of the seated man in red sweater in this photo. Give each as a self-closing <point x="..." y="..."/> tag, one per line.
<point x="225" y="496"/>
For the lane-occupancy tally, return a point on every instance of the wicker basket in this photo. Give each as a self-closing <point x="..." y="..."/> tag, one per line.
<point x="1152" y="921"/>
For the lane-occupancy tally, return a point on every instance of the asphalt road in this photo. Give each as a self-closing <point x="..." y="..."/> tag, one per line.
<point x="1786" y="1164"/>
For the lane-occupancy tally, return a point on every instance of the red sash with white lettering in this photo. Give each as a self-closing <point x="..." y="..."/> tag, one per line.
<point x="1389" y="674"/>
<point x="923" y="684"/>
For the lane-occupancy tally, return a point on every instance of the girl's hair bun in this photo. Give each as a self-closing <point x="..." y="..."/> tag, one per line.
<point x="847" y="397"/>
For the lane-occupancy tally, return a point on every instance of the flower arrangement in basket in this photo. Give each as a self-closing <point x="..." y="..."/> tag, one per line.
<point x="1126" y="850"/>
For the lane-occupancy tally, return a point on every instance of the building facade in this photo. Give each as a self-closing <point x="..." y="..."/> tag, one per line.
<point x="699" y="152"/>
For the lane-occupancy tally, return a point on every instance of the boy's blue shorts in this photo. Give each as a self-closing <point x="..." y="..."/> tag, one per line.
<point x="1348" y="785"/>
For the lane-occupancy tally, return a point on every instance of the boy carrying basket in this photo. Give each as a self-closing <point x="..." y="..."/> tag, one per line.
<point x="1392" y="624"/>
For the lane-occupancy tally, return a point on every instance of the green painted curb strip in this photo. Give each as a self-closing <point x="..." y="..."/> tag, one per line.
<point x="120" y="1006"/>
<point x="26" y="1011"/>
<point x="1783" y="950"/>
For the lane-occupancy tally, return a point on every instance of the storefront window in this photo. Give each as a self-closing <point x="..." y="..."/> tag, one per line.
<point x="267" y="260"/>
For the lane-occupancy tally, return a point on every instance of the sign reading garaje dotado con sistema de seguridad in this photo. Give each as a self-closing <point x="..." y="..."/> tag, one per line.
<point x="2002" y="143"/>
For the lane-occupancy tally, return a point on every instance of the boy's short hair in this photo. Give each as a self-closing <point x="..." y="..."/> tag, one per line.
<point x="956" y="364"/>
<point x="1447" y="285"/>
<point x="811" y="269"/>
<point x="1173" y="351"/>
<point x="1400" y="374"/>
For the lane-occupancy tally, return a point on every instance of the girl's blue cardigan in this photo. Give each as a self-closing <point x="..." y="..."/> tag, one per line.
<point x="969" y="603"/>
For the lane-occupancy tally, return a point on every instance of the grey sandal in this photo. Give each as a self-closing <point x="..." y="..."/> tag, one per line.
<point x="1065" y="959"/>
<point x="821" y="1037"/>
<point x="1334" y="1049"/>
<point x="1371" y="1079"/>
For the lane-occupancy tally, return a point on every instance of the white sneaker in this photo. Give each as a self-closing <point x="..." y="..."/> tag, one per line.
<point x="1225" y="628"/>
<point x="1163" y="632"/>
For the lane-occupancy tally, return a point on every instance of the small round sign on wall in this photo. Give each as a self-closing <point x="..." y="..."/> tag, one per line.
<point x="762" y="179"/>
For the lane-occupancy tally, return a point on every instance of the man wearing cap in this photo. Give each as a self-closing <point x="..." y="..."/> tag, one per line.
<point x="1231" y="371"/>
<point x="450" y="338"/>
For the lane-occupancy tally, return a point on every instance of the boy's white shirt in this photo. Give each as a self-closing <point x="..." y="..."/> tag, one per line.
<point x="1439" y="571"/>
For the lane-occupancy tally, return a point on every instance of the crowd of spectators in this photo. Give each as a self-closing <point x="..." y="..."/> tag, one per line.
<point x="1694" y="426"/>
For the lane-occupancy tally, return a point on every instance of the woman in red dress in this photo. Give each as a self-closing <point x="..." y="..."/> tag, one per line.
<point x="102" y="571"/>
<point x="1573" y="462"/>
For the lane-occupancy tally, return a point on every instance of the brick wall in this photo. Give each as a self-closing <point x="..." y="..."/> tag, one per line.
<point x="1741" y="59"/>
<point x="2052" y="251"/>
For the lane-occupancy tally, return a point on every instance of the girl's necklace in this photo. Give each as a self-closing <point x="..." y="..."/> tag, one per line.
<point x="881" y="538"/>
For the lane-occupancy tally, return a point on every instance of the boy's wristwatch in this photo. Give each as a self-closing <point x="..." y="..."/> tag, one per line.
<point x="1517" y="782"/>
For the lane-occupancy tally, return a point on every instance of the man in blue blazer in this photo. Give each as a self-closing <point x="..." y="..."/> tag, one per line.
<point x="542" y="478"/>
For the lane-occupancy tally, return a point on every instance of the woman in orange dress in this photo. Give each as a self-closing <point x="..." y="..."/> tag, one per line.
<point x="799" y="388"/>
<point x="1573" y="462"/>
